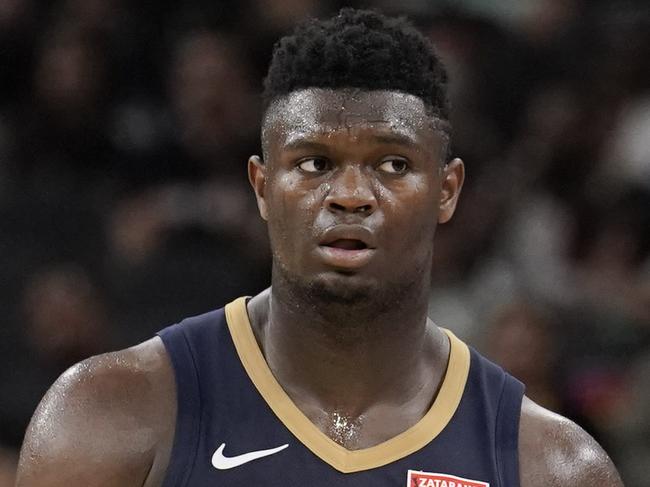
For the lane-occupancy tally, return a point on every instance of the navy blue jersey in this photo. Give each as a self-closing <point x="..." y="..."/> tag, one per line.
<point x="237" y="427"/>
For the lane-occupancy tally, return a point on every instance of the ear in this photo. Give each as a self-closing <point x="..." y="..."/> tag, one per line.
<point x="257" y="178"/>
<point x="453" y="175"/>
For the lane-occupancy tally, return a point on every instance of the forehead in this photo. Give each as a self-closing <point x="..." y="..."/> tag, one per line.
<point x="316" y="111"/>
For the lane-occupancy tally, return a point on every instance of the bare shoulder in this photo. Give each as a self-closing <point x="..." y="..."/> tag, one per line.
<point x="554" y="451"/>
<point x="106" y="421"/>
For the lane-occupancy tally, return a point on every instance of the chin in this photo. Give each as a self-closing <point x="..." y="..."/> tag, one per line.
<point x="329" y="286"/>
<point x="338" y="291"/>
<point x="342" y="287"/>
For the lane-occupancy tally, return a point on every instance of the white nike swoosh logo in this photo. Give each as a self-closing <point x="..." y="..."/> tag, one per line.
<point x="221" y="462"/>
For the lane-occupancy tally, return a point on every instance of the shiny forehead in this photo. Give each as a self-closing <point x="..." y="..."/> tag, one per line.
<point x="319" y="110"/>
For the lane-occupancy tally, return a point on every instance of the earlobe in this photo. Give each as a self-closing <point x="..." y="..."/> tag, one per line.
<point x="453" y="176"/>
<point x="257" y="179"/>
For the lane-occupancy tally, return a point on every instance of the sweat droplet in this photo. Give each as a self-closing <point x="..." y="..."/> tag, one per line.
<point x="343" y="429"/>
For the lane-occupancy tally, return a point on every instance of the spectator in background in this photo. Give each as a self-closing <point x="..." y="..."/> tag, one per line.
<point x="522" y="342"/>
<point x="64" y="319"/>
<point x="192" y="209"/>
<point x="66" y="116"/>
<point x="213" y="128"/>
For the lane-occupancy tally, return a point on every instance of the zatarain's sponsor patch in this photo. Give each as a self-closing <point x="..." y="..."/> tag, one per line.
<point x="428" y="479"/>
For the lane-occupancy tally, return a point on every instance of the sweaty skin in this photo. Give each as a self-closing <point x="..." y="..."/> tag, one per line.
<point x="339" y="165"/>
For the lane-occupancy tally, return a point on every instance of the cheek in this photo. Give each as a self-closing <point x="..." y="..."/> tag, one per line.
<point x="309" y="201"/>
<point x="295" y="201"/>
<point x="412" y="216"/>
<point x="292" y="210"/>
<point x="416" y="195"/>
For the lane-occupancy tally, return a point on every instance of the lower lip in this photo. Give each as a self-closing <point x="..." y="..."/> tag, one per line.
<point x="346" y="259"/>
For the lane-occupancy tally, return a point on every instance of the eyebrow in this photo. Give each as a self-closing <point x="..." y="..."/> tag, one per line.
<point x="397" y="139"/>
<point x="298" y="143"/>
<point x="305" y="144"/>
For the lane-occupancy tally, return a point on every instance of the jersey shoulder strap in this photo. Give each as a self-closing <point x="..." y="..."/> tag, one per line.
<point x="196" y="338"/>
<point x="501" y="394"/>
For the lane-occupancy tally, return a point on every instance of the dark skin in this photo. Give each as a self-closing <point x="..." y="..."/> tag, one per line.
<point x="340" y="167"/>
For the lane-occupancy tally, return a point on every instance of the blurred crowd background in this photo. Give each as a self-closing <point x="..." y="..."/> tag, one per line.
<point x="125" y="127"/>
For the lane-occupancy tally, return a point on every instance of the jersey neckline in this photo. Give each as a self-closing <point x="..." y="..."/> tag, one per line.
<point x="347" y="461"/>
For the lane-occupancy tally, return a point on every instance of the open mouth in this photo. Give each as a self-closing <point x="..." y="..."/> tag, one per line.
<point x="346" y="253"/>
<point x="347" y="244"/>
<point x="347" y="247"/>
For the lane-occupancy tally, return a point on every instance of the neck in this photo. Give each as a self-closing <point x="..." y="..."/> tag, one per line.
<point x="350" y="355"/>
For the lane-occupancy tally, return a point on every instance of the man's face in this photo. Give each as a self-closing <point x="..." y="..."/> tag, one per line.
<point x="352" y="189"/>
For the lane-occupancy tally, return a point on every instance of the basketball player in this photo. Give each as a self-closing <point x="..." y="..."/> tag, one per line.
<point x="334" y="376"/>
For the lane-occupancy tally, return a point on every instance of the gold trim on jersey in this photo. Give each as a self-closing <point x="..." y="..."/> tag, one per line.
<point x="342" y="459"/>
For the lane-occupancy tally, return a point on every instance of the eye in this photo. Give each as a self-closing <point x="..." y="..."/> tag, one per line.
<point x="394" y="166"/>
<point x="314" y="164"/>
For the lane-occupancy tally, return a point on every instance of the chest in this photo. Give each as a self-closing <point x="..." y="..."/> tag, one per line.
<point x="235" y="426"/>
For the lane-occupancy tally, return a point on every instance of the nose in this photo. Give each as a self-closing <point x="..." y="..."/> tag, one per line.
<point x="351" y="192"/>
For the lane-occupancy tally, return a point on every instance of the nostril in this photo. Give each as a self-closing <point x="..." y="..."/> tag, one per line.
<point x="337" y="206"/>
<point x="341" y="206"/>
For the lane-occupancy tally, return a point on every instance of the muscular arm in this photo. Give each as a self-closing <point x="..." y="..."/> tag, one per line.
<point x="554" y="452"/>
<point x="107" y="421"/>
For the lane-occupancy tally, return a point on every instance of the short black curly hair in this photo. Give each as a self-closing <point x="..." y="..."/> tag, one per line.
<point x="359" y="49"/>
